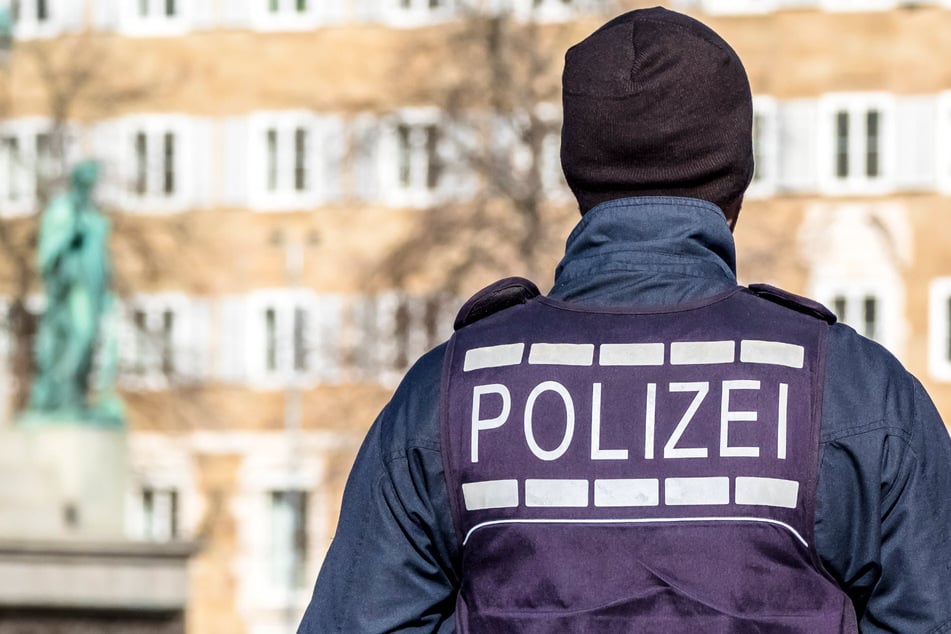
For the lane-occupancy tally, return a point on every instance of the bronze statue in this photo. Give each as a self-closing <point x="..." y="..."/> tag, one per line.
<point x="73" y="260"/>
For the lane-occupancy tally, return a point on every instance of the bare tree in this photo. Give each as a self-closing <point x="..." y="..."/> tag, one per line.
<point x="499" y="102"/>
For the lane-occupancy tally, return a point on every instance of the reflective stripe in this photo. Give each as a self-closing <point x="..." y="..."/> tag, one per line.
<point x="697" y="491"/>
<point x="556" y="493"/>
<point x="771" y="352"/>
<point x="561" y="354"/>
<point x="702" y="352"/>
<point x="491" y="494"/>
<point x="627" y="492"/>
<point x="767" y="492"/>
<point x="631" y="354"/>
<point x="661" y="520"/>
<point x="493" y="356"/>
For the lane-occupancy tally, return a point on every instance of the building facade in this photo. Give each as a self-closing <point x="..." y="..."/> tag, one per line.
<point x="263" y="158"/>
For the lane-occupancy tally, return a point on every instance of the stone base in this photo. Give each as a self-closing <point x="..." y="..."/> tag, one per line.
<point x="75" y="587"/>
<point x="33" y="621"/>
<point x="63" y="481"/>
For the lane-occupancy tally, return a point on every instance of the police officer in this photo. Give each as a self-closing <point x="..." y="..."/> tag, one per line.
<point x="650" y="447"/>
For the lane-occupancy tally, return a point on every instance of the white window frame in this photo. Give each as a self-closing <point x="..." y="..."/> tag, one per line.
<point x="416" y="193"/>
<point x="160" y="462"/>
<point x="18" y="169"/>
<point x="265" y="469"/>
<point x="154" y="200"/>
<point x="287" y="18"/>
<point x="26" y="130"/>
<point x="285" y="302"/>
<point x="163" y="522"/>
<point x="546" y="11"/>
<point x="418" y="13"/>
<point x="943" y="136"/>
<point x="857" y="6"/>
<point x="285" y="196"/>
<point x="857" y="105"/>
<point x="286" y="585"/>
<point x="888" y="307"/>
<point x="766" y="148"/>
<point x="939" y="329"/>
<point x="156" y="23"/>
<point x="29" y="27"/>
<point x="738" y="7"/>
<point x="182" y="342"/>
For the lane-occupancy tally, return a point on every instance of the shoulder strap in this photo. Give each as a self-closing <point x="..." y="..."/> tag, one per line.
<point x="792" y="301"/>
<point x="496" y="297"/>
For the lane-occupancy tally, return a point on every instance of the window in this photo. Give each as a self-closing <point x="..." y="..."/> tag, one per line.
<point x="858" y="5"/>
<point x="158" y="343"/>
<point x="552" y="10"/>
<point x="416" y="156"/>
<point x="943" y="137"/>
<point x="410" y="13"/>
<point x="153" y="165"/>
<point x="737" y="7"/>
<point x="856" y="253"/>
<point x="939" y="329"/>
<point x="162" y="501"/>
<point x="294" y="178"/>
<point x="13" y="173"/>
<point x="765" y="147"/>
<point x="395" y="329"/>
<point x="292" y="15"/>
<point x="159" y="507"/>
<point x="294" y="160"/>
<point x="144" y="18"/>
<point x="412" y="159"/>
<point x="288" y="543"/>
<point x="858" y="143"/>
<point x="861" y="311"/>
<point x="32" y="160"/>
<point x="293" y="337"/>
<point x="872" y="309"/>
<point x="38" y="18"/>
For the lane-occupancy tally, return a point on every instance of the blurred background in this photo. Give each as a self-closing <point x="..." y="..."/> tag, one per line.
<point x="300" y="194"/>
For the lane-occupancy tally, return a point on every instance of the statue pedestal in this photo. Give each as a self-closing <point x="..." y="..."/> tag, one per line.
<point x="63" y="481"/>
<point x="66" y="562"/>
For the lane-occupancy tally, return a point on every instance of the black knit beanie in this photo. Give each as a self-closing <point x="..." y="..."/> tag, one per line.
<point x="656" y="104"/>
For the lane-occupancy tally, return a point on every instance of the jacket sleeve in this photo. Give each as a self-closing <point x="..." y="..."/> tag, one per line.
<point x="883" y="503"/>
<point x="392" y="565"/>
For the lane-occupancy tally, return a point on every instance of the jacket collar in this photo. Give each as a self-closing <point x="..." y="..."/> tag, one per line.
<point x="647" y="251"/>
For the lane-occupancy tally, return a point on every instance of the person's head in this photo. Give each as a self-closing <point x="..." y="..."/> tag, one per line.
<point x="656" y="104"/>
<point x="84" y="176"/>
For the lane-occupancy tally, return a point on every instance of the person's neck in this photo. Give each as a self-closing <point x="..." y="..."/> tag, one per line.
<point x="647" y="251"/>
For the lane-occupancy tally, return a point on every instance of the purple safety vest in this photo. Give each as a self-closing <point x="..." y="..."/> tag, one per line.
<point x="639" y="471"/>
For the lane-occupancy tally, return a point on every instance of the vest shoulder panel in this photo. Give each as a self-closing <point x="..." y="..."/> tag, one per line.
<point x="498" y="296"/>
<point x="795" y="302"/>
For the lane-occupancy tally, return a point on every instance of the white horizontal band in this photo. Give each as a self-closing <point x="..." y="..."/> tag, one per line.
<point x="702" y="352"/>
<point x="627" y="492"/>
<point x="564" y="493"/>
<point x="561" y="354"/>
<point x="631" y="354"/>
<point x="772" y="352"/>
<point x="767" y="492"/>
<point x="493" y="356"/>
<point x="490" y="494"/>
<point x="712" y="491"/>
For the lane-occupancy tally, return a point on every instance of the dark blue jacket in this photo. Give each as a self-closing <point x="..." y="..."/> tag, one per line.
<point x="883" y="518"/>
